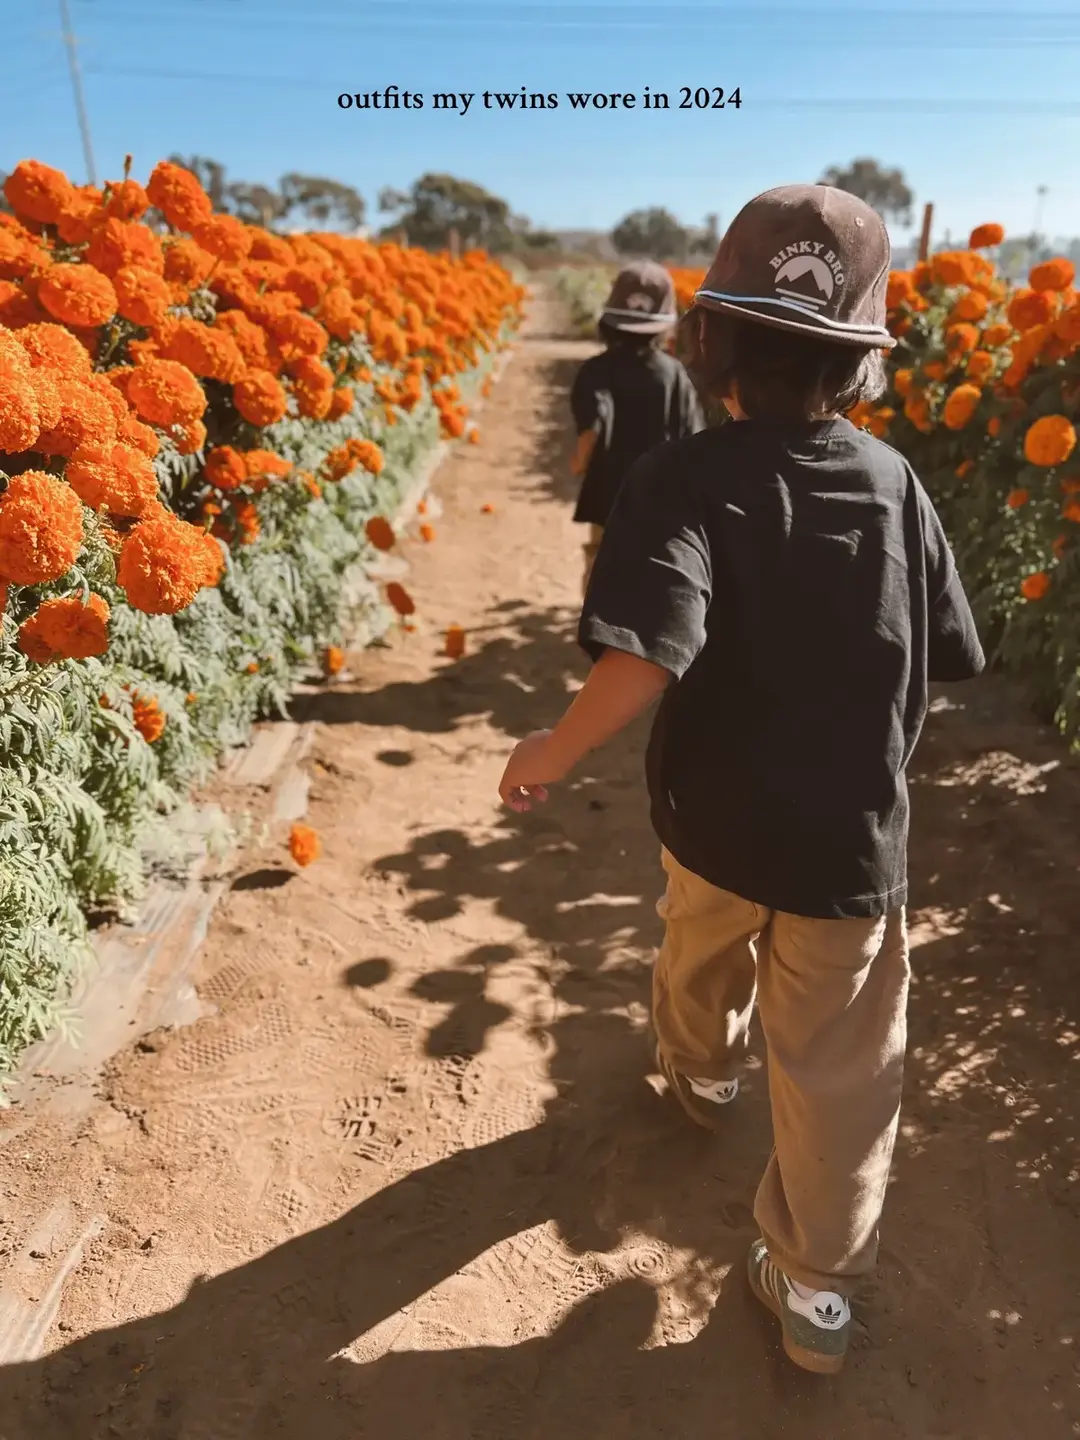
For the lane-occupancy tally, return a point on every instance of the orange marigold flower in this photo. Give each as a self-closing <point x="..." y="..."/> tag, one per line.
<point x="80" y="216"/>
<point x="427" y="533"/>
<point x="1067" y="326"/>
<point x="114" y="478"/>
<point x="380" y="533"/>
<point x="178" y="195"/>
<point x="901" y="288"/>
<point x="304" y="844"/>
<point x="211" y="353"/>
<point x="313" y="385"/>
<point x="985" y="237"/>
<point x="1050" y="440"/>
<point x="20" y="422"/>
<point x="260" y="398"/>
<point x="86" y="418"/>
<point x="126" y="200"/>
<point x="1029" y="308"/>
<point x="78" y="295"/>
<point x="954" y="267"/>
<point x="995" y="335"/>
<point x="164" y="563"/>
<point x="935" y="369"/>
<point x="187" y="264"/>
<point x="225" y="237"/>
<point x="980" y="365"/>
<point x="52" y="345"/>
<point x="297" y="335"/>
<point x="454" y="646"/>
<point x="341" y="402"/>
<point x="38" y="192"/>
<point x="66" y="630"/>
<point x="267" y="246"/>
<point x="225" y="468"/>
<point x="337" y="312"/>
<point x="1034" y="587"/>
<point x="148" y="718"/>
<point x="917" y="410"/>
<point x="970" y="307"/>
<point x="902" y="382"/>
<point x="247" y="521"/>
<point x="252" y="339"/>
<point x="333" y="660"/>
<point x="41" y="528"/>
<point x="964" y="468"/>
<point x="400" y="599"/>
<point x="190" y="437"/>
<point x="262" y="466"/>
<point x="487" y="509"/>
<point x="961" y="406"/>
<point x="115" y="244"/>
<point x="141" y="296"/>
<point x="1016" y="498"/>
<point x="993" y="426"/>
<point x="166" y="393"/>
<point x="1055" y="274"/>
<point x="1072" y="512"/>
<point x="17" y="308"/>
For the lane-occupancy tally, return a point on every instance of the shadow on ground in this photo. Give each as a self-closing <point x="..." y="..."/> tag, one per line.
<point x="972" y="1329"/>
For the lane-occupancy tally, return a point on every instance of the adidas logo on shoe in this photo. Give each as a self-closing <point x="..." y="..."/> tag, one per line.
<point x="829" y="1315"/>
<point x="825" y="1310"/>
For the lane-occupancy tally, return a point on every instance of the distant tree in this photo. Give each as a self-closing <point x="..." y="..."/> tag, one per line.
<point x="886" y="190"/>
<point x="438" y="204"/>
<point x="320" y="201"/>
<point x="5" y="204"/>
<point x="654" y="232"/>
<point x="311" y="198"/>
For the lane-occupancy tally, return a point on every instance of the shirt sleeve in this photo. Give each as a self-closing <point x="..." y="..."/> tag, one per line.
<point x="584" y="401"/>
<point x="651" y="582"/>
<point x="954" y="651"/>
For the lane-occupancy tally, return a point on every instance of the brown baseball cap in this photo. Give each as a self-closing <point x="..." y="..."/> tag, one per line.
<point x="642" y="300"/>
<point x="810" y="258"/>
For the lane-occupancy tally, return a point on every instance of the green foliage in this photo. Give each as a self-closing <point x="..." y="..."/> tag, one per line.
<point x="81" y="792"/>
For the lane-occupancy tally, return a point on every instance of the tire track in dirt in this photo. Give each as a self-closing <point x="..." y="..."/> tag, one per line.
<point x="410" y="1175"/>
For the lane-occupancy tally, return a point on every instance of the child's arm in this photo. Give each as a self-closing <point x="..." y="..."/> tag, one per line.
<point x="619" y="688"/>
<point x="642" y="625"/>
<point x="579" y="461"/>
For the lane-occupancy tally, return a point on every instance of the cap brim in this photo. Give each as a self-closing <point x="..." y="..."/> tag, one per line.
<point x="766" y="312"/>
<point x="646" y="325"/>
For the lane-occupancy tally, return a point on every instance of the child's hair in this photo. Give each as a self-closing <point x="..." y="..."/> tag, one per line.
<point x="627" y="340"/>
<point x="778" y="374"/>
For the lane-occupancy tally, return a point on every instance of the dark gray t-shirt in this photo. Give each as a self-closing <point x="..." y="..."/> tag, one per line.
<point x="634" y="399"/>
<point x="797" y="583"/>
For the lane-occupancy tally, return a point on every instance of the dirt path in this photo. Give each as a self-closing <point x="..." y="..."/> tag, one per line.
<point x="410" y="1178"/>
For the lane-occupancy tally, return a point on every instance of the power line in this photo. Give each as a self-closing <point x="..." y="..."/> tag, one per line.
<point x="76" y="85"/>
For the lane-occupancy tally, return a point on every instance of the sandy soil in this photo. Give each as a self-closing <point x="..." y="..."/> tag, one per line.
<point x="411" y="1177"/>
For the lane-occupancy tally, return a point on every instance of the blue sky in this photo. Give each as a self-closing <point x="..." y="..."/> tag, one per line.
<point x="978" y="104"/>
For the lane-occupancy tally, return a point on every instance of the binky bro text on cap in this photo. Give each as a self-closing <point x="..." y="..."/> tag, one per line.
<point x="642" y="300"/>
<point x="809" y="258"/>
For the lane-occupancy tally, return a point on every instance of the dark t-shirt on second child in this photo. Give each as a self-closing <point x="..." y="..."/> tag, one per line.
<point x="797" y="584"/>
<point x="634" y="399"/>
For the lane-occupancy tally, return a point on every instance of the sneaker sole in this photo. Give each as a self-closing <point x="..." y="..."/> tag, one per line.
<point x="810" y="1360"/>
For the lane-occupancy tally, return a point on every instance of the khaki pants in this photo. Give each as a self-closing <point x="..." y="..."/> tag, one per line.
<point x="596" y="534"/>
<point x="832" y="995"/>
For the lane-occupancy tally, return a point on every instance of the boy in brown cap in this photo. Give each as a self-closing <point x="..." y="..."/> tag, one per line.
<point x="784" y="584"/>
<point x="631" y="396"/>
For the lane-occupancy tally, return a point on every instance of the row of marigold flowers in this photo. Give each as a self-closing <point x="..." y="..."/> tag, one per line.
<point x="138" y="326"/>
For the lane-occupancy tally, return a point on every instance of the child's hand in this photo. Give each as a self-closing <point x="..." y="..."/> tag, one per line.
<point x="529" y="771"/>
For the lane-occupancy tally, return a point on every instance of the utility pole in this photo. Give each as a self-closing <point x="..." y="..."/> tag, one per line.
<point x="924" y="238"/>
<point x="76" y="85"/>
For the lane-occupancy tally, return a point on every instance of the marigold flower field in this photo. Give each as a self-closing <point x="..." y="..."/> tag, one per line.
<point x="205" y="428"/>
<point x="984" y="397"/>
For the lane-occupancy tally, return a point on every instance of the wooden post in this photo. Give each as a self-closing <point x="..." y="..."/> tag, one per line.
<point x="924" y="239"/>
<point x="455" y="242"/>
